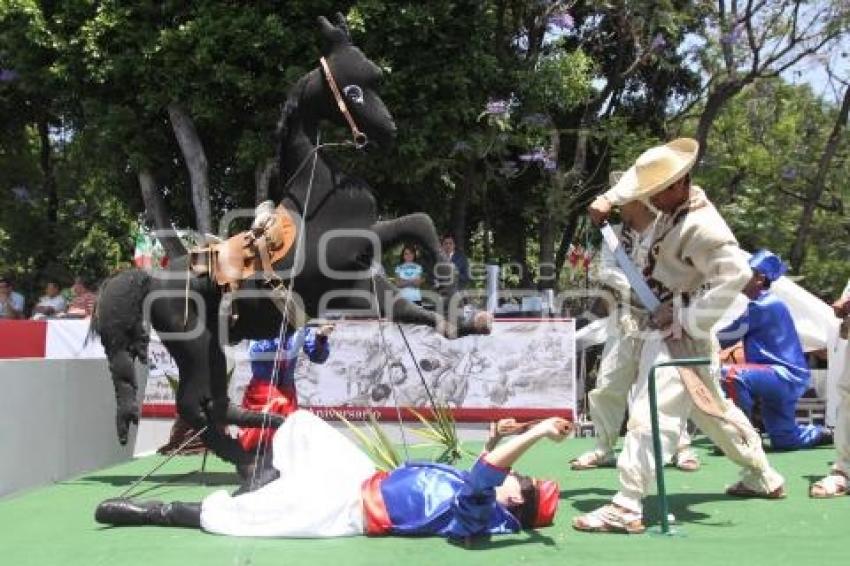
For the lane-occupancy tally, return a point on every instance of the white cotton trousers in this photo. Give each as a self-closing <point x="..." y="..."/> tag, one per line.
<point x="622" y="359"/>
<point x="636" y="464"/>
<point x="318" y="493"/>
<point x="842" y="424"/>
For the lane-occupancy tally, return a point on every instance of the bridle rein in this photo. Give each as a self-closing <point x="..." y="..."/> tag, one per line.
<point x="360" y="139"/>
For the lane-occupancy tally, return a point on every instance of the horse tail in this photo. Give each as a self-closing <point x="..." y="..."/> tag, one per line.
<point x="118" y="319"/>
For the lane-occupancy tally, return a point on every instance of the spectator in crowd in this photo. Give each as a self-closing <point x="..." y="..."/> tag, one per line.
<point x="82" y="304"/>
<point x="458" y="259"/>
<point x="775" y="372"/>
<point x="11" y="302"/>
<point x="330" y="488"/>
<point x="409" y="276"/>
<point x="52" y="303"/>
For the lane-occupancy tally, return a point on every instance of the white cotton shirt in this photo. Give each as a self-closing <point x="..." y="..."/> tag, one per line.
<point x="318" y="493"/>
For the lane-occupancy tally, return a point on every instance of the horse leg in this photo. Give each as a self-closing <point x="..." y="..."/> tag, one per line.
<point x="202" y="396"/>
<point x="394" y="307"/>
<point x="420" y="228"/>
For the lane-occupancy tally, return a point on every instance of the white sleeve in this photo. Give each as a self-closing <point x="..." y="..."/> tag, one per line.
<point x="610" y="274"/>
<point x="726" y="271"/>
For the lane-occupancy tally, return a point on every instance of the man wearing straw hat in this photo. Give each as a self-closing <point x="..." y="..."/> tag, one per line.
<point x="696" y="269"/>
<point x="620" y="362"/>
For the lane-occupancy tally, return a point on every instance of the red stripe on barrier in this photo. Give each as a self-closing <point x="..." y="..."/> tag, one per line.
<point x="461" y="414"/>
<point x="22" y="338"/>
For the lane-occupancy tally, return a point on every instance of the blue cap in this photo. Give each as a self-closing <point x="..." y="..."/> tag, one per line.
<point x="768" y="264"/>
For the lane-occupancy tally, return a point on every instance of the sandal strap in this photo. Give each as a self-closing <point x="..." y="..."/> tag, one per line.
<point x="592" y="458"/>
<point x="611" y="516"/>
<point x="833" y="483"/>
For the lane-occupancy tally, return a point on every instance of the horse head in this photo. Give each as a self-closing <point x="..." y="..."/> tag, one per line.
<point x="348" y="83"/>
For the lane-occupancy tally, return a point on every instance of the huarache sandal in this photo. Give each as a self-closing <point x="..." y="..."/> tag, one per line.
<point x="687" y="460"/>
<point x="740" y="490"/>
<point x="592" y="460"/>
<point x="610" y="519"/>
<point x="833" y="485"/>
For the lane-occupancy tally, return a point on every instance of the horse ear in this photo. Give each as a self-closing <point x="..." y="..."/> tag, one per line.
<point x="332" y="35"/>
<point x="342" y="24"/>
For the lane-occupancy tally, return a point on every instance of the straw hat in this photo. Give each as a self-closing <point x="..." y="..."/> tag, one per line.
<point x="657" y="168"/>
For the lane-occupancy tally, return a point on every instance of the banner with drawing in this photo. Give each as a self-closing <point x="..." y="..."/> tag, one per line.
<point x="524" y="369"/>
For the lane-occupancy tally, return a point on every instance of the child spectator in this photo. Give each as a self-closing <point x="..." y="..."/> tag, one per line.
<point x="409" y="276"/>
<point x="52" y="303"/>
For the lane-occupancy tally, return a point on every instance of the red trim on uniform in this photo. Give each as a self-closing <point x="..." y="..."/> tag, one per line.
<point x="732" y="372"/>
<point x="503" y="469"/>
<point x="548" y="496"/>
<point x="264" y="397"/>
<point x="376" y="519"/>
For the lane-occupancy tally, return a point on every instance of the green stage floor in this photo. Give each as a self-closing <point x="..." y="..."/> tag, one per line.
<point x="55" y="525"/>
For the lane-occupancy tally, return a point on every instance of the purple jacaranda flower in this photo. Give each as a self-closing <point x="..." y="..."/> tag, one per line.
<point x="21" y="193"/>
<point x="562" y="20"/>
<point x="789" y="173"/>
<point x="550" y="164"/>
<point x="537" y="155"/>
<point x="658" y="42"/>
<point x="8" y="75"/>
<point x="734" y="34"/>
<point x="496" y="107"/>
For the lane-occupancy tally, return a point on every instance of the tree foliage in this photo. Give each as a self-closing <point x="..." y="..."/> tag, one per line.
<point x="511" y="115"/>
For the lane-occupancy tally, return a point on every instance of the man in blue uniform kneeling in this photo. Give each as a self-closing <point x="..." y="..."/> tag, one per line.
<point x="775" y="372"/>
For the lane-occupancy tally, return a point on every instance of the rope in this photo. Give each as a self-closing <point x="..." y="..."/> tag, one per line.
<point x="281" y="336"/>
<point x="387" y="356"/>
<point x="164" y="462"/>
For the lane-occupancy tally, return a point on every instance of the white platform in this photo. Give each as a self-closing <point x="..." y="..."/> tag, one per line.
<point x="58" y="421"/>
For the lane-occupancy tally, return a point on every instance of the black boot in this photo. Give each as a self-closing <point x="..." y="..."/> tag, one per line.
<point x="124" y="512"/>
<point x="257" y="473"/>
<point x="121" y="511"/>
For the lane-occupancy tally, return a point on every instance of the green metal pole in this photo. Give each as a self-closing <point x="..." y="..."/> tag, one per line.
<point x="656" y="433"/>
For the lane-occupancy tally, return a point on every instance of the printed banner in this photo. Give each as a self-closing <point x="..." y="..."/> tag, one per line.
<point x="524" y="369"/>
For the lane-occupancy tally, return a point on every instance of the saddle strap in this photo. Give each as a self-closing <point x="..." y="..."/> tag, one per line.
<point x="265" y="258"/>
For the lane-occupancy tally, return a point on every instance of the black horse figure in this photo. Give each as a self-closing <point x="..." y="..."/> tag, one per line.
<point x="188" y="310"/>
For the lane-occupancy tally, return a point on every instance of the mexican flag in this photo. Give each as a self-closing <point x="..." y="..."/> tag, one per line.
<point x="149" y="254"/>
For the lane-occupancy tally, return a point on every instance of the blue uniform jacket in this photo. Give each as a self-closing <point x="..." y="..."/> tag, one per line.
<point x="424" y="498"/>
<point x="316" y="348"/>
<point x="770" y="338"/>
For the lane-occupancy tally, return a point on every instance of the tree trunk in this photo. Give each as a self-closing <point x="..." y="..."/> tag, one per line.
<point x="546" y="270"/>
<point x="263" y="174"/>
<point x="460" y="203"/>
<point x="564" y="247"/>
<point x="717" y="99"/>
<point x="196" y="162"/>
<point x="158" y="216"/>
<point x="798" y="250"/>
<point x="46" y="163"/>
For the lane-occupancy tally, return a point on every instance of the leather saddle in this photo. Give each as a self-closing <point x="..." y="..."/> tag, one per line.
<point x="240" y="257"/>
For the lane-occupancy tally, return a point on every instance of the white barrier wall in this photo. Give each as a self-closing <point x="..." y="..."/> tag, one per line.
<point x="57" y="419"/>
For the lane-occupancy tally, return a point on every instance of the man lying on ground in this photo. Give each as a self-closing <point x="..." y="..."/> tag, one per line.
<point x="328" y="488"/>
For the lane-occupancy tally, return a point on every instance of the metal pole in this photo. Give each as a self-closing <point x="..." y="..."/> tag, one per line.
<point x="656" y="433"/>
